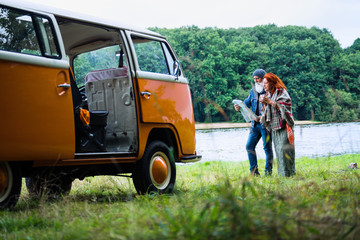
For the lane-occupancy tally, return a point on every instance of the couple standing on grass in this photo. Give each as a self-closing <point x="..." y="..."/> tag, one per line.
<point x="271" y="102"/>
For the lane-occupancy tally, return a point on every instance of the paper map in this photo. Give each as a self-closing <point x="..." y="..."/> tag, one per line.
<point x="245" y="111"/>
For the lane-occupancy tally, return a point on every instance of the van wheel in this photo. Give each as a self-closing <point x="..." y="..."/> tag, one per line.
<point x="50" y="185"/>
<point x="10" y="185"/>
<point x="156" y="171"/>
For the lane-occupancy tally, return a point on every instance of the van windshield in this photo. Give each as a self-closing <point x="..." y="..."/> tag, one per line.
<point x="104" y="58"/>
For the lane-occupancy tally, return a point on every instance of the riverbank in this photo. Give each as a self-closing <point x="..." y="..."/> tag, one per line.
<point x="326" y="139"/>
<point x="204" y="126"/>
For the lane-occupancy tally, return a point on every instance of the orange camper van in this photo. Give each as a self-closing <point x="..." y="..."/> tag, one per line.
<point x="85" y="97"/>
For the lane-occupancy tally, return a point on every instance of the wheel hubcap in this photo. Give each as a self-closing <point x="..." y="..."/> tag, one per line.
<point x="160" y="171"/>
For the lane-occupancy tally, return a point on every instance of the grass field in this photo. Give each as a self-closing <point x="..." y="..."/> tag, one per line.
<point x="212" y="200"/>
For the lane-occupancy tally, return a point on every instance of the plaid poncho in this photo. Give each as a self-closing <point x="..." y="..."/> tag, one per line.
<point x="273" y="118"/>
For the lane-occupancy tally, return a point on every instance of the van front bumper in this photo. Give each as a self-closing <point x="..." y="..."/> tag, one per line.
<point x="189" y="159"/>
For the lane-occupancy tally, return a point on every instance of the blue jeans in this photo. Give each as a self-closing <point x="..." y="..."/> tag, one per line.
<point x="256" y="133"/>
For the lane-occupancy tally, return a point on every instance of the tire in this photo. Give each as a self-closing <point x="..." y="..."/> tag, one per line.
<point x="10" y="185"/>
<point x="49" y="185"/>
<point x="156" y="171"/>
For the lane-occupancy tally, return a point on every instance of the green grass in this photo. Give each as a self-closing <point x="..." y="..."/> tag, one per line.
<point x="212" y="200"/>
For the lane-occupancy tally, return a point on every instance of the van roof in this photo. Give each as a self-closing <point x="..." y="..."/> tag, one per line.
<point x="78" y="16"/>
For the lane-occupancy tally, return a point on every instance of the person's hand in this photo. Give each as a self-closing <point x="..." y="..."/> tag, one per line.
<point x="237" y="107"/>
<point x="266" y="100"/>
<point x="257" y="119"/>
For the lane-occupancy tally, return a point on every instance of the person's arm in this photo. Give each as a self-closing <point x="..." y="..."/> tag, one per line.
<point x="247" y="101"/>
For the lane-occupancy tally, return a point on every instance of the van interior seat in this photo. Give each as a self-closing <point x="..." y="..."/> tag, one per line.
<point x="88" y="138"/>
<point x="111" y="90"/>
<point x="106" y="74"/>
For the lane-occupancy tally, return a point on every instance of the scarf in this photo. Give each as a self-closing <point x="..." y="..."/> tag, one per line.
<point x="276" y="119"/>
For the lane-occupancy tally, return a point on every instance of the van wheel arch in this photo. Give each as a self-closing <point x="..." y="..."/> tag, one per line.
<point x="166" y="136"/>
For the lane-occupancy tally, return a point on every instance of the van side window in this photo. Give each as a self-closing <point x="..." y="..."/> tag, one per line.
<point x="169" y="57"/>
<point x="150" y="55"/>
<point x="26" y="33"/>
<point x="99" y="59"/>
<point x="47" y="39"/>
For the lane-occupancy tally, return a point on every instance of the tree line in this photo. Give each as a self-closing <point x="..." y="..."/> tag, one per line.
<point x="322" y="78"/>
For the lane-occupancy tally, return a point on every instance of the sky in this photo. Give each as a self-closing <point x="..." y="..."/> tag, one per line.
<point x="340" y="17"/>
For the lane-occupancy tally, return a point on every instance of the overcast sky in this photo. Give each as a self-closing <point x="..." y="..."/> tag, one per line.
<point x="340" y="17"/>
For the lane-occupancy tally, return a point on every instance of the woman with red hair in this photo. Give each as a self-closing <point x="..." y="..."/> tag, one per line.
<point x="277" y="118"/>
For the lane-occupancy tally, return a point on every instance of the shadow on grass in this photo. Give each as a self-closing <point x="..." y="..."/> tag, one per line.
<point x="89" y="196"/>
<point x="36" y="202"/>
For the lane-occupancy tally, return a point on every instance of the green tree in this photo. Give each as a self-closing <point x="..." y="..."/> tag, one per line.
<point x="219" y="63"/>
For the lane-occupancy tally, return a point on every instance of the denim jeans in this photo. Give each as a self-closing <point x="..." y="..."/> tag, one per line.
<point x="256" y="133"/>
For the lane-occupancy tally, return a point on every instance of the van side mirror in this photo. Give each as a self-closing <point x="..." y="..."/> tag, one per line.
<point x="176" y="69"/>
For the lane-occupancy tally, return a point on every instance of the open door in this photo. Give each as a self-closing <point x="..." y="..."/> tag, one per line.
<point x="164" y="93"/>
<point x="37" y="121"/>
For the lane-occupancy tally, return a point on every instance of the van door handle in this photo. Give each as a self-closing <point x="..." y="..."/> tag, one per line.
<point x="64" y="85"/>
<point x="146" y="94"/>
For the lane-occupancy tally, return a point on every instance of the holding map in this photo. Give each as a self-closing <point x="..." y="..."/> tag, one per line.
<point x="245" y="111"/>
<point x="250" y="108"/>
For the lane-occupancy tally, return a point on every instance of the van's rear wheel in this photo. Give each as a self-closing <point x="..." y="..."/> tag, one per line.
<point x="10" y="185"/>
<point x="156" y="171"/>
<point x="50" y="185"/>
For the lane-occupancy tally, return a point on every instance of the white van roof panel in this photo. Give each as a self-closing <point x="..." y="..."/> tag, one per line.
<point x="78" y="16"/>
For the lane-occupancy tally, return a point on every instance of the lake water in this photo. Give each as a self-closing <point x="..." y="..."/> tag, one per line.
<point x="310" y="141"/>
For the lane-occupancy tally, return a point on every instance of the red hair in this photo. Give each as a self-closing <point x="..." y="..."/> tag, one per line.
<point x="274" y="82"/>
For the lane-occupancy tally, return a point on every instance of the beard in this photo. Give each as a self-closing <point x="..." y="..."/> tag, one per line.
<point x="259" y="87"/>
